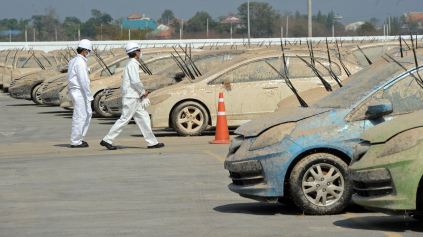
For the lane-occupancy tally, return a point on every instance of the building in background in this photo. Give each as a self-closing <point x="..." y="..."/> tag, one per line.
<point x="234" y="19"/>
<point x="413" y="18"/>
<point x="137" y="22"/>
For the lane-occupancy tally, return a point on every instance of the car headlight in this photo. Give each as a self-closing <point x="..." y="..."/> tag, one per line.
<point x="360" y="150"/>
<point x="235" y="144"/>
<point x="159" y="99"/>
<point x="401" y="142"/>
<point x="273" y="136"/>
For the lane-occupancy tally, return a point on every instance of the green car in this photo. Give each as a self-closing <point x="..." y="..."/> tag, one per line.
<point x="387" y="167"/>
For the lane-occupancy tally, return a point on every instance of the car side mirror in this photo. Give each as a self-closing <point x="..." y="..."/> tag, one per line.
<point x="179" y="75"/>
<point x="379" y="108"/>
<point x="228" y="80"/>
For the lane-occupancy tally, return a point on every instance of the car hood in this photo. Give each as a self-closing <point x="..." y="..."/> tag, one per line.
<point x="259" y="125"/>
<point x="383" y="132"/>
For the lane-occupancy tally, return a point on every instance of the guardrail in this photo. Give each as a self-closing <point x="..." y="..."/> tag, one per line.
<point x="196" y="43"/>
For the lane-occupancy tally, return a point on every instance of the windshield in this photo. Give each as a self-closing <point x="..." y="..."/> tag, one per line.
<point x="362" y="82"/>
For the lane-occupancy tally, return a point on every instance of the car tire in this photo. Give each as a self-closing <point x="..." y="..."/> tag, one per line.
<point x="36" y="95"/>
<point x="99" y="108"/>
<point x="319" y="184"/>
<point x="189" y="119"/>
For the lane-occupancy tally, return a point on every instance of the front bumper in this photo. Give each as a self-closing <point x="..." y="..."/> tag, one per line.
<point x="22" y="89"/>
<point x="112" y="102"/>
<point x="260" y="174"/>
<point x="51" y="96"/>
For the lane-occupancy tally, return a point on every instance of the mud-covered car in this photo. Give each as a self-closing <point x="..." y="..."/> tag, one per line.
<point x="387" y="167"/>
<point x="48" y="91"/>
<point x="166" y="76"/>
<point x="24" y="63"/>
<point x="302" y="153"/>
<point x="251" y="89"/>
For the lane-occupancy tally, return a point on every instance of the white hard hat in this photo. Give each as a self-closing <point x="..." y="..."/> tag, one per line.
<point x="85" y="44"/>
<point x="131" y="47"/>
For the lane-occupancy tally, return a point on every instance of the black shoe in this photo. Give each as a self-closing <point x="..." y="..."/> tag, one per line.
<point x="159" y="145"/>
<point x="83" y="145"/>
<point x="108" y="146"/>
<point x="84" y="142"/>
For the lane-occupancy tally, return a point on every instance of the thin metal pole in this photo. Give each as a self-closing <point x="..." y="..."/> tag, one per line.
<point x="310" y="26"/>
<point x="287" y="20"/>
<point x="248" y="14"/>
<point x="34" y="34"/>
<point x="333" y="30"/>
<point x="207" y="28"/>
<point x="129" y="33"/>
<point x="231" y="29"/>
<point x="281" y="31"/>
<point x="26" y="34"/>
<point x="389" y="27"/>
<point x="10" y="35"/>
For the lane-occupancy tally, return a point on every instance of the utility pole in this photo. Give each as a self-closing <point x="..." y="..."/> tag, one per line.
<point x="34" y="34"/>
<point x="333" y="30"/>
<point x="129" y="33"/>
<point x="231" y="29"/>
<point x="26" y="34"/>
<point x="389" y="25"/>
<point x="248" y="7"/>
<point x="310" y="26"/>
<point x="207" y="28"/>
<point x="182" y="29"/>
<point x="101" y="32"/>
<point x="281" y="31"/>
<point x="287" y="20"/>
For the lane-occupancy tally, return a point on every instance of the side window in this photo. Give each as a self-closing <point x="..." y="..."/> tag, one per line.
<point x="406" y="95"/>
<point x="253" y="71"/>
<point x="359" y="112"/>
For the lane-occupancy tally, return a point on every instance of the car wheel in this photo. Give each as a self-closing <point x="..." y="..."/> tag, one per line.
<point x="189" y="119"/>
<point x="36" y="95"/>
<point x="319" y="184"/>
<point x="99" y="107"/>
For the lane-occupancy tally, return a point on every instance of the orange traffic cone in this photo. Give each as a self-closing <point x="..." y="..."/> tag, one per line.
<point x="222" y="132"/>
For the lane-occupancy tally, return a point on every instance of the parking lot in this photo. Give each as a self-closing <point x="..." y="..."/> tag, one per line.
<point x="48" y="189"/>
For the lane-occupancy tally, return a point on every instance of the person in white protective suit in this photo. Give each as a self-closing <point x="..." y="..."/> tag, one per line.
<point x="134" y="102"/>
<point x="80" y="93"/>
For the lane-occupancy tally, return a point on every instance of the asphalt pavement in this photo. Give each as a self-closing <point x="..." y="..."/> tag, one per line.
<point x="49" y="189"/>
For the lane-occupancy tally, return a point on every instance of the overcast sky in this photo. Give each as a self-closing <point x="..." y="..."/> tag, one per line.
<point x="351" y="10"/>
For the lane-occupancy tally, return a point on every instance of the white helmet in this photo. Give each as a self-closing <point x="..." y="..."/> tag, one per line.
<point x="131" y="47"/>
<point x="85" y="44"/>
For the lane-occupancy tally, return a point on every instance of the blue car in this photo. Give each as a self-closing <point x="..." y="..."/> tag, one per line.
<point x="302" y="154"/>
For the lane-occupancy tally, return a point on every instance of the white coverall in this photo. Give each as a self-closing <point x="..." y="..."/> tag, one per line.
<point x="132" y="90"/>
<point x="80" y="93"/>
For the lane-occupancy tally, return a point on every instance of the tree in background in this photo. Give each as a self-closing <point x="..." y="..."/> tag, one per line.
<point x="167" y="15"/>
<point x="263" y="18"/>
<point x="70" y="26"/>
<point x="366" y="29"/>
<point x="47" y="25"/>
<point x="198" y="23"/>
<point x="89" y="28"/>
